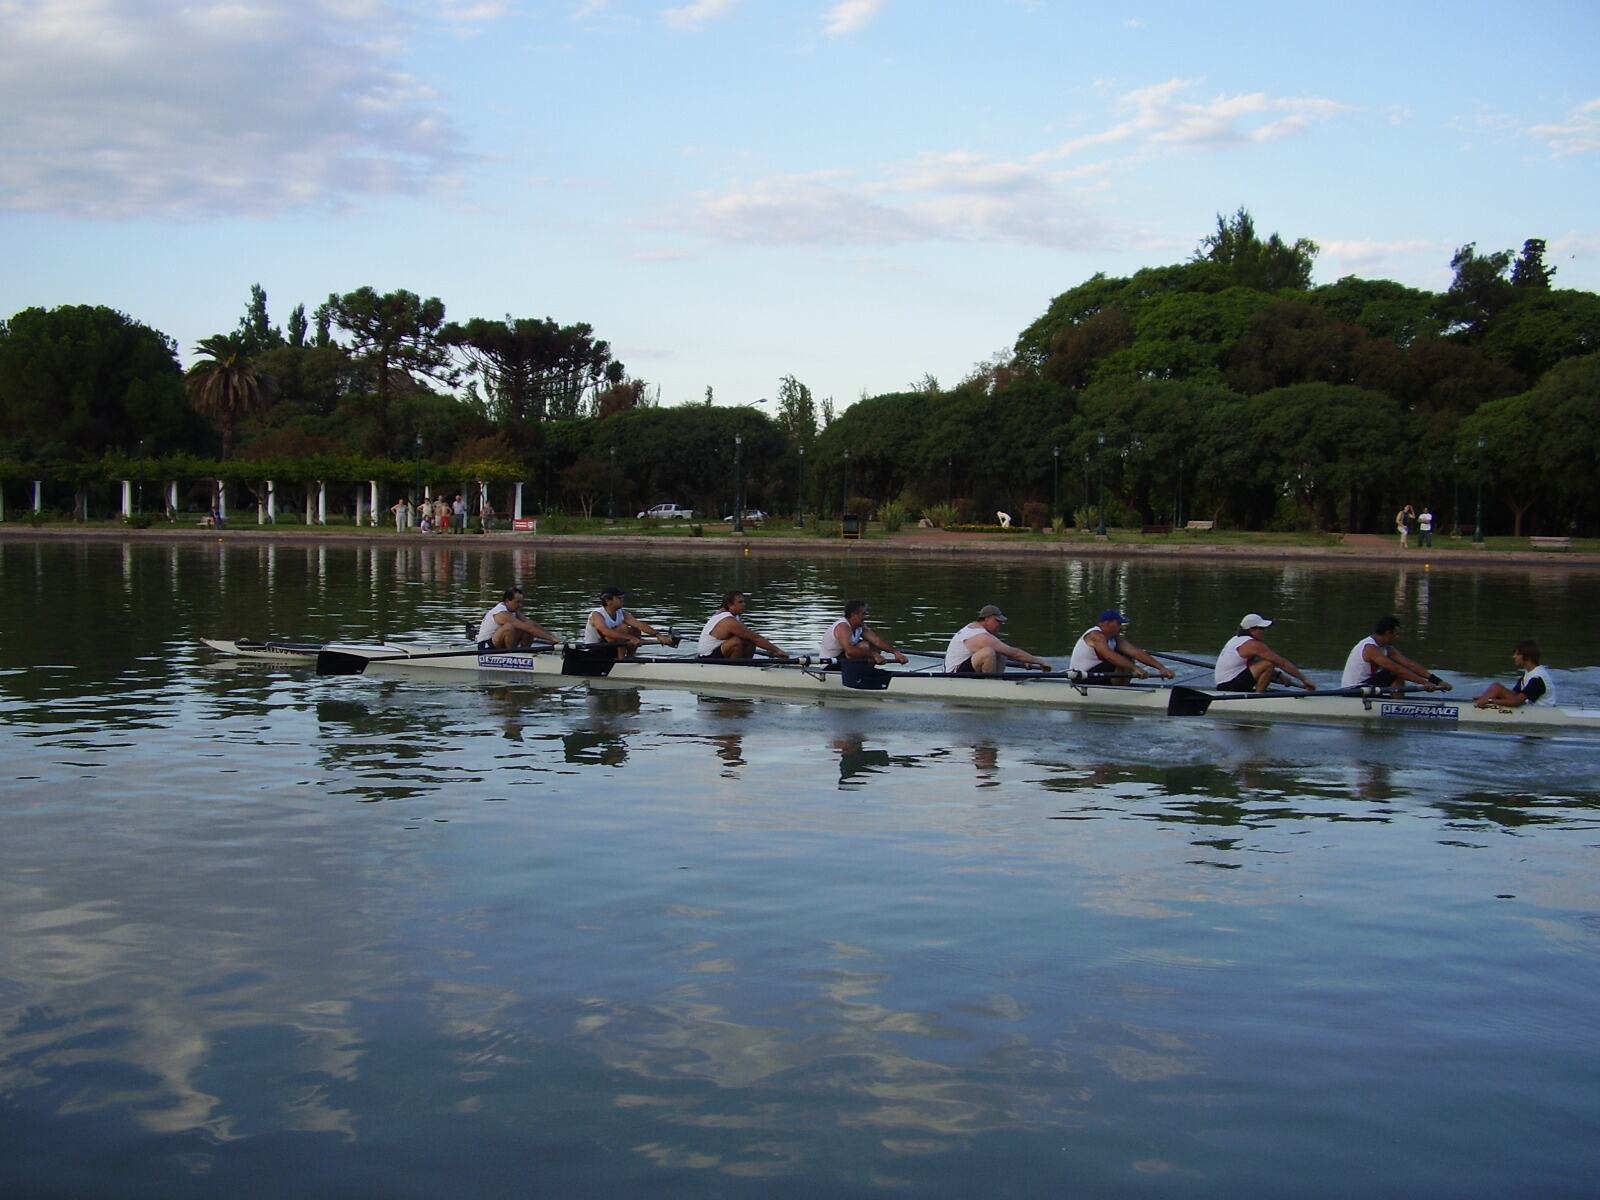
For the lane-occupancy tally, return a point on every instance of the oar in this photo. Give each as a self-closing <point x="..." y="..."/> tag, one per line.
<point x="1184" y="658"/>
<point x="1189" y="702"/>
<point x="344" y="662"/>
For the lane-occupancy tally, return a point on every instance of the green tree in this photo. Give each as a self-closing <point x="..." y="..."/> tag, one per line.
<point x="797" y="412"/>
<point x="225" y="385"/>
<point x="1267" y="266"/>
<point x="79" y="380"/>
<point x="397" y="337"/>
<point x="256" y="332"/>
<point x="1530" y="271"/>
<point x="1542" y="327"/>
<point x="532" y="370"/>
<point x="1477" y="293"/>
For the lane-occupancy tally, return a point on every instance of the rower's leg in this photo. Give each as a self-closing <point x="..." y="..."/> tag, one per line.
<point x="1261" y="672"/>
<point x="987" y="662"/>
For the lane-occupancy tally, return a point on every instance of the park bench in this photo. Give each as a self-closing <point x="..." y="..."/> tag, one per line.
<point x="1155" y="529"/>
<point x="1550" y="543"/>
<point x="1199" y="526"/>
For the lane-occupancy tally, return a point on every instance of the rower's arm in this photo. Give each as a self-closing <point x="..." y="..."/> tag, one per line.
<point x="1020" y="655"/>
<point x="606" y="633"/>
<point x="883" y="644"/>
<point x="1396" y="664"/>
<point x="1259" y="649"/>
<point x="538" y="630"/>
<point x="750" y="635"/>
<point x="1149" y="660"/>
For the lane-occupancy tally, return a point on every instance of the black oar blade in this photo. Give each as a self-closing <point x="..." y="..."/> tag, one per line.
<point x="590" y="662"/>
<point x="1187" y="702"/>
<point x="339" y="662"/>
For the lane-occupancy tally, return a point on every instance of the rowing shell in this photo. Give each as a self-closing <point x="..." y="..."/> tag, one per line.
<point x="803" y="681"/>
<point x="305" y="652"/>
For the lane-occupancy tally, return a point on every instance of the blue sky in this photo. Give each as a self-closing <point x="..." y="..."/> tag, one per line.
<point x="855" y="192"/>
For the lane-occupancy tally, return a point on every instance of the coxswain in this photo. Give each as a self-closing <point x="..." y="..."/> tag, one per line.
<point x="1248" y="664"/>
<point x="976" y="649"/>
<point x="1376" y="662"/>
<point x="1105" y="653"/>
<point x="1535" y="686"/>
<point x="505" y="628"/>
<point x="851" y="637"/>
<point x="613" y="626"/>
<point x="725" y="636"/>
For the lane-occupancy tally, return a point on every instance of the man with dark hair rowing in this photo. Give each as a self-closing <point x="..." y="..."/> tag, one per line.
<point x="505" y="628"/>
<point x="851" y="637"/>
<point x="725" y="636"/>
<point x="1377" y="662"/>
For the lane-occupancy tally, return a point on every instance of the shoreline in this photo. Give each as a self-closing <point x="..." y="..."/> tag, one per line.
<point x="912" y="544"/>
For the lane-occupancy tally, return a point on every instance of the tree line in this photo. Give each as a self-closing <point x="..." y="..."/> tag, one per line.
<point x="1225" y="387"/>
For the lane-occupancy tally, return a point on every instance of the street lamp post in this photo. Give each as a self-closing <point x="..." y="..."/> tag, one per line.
<point x="800" y="494"/>
<point x="1055" y="485"/>
<point x="611" y="488"/>
<point x="738" y="483"/>
<point x="1455" y="495"/>
<point x="1477" y="532"/>
<point x="844" y="507"/>
<point x="950" y="479"/>
<point x="1100" y="459"/>
<point x="1177" y="503"/>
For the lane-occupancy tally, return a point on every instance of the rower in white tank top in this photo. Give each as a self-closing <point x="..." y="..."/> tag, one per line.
<point x="612" y="621"/>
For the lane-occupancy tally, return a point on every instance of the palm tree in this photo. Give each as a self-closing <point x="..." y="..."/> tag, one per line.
<point x="225" y="385"/>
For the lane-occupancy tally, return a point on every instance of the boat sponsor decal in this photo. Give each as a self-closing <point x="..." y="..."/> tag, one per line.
<point x="506" y="662"/>
<point x="1412" y="710"/>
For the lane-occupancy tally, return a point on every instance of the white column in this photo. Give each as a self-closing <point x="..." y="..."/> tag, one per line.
<point x="38" y="505"/>
<point x="222" y="501"/>
<point x="361" y="508"/>
<point x="272" y="502"/>
<point x="322" y="502"/>
<point x="311" y="504"/>
<point x="261" y="505"/>
<point x="172" y="497"/>
<point x="483" y="495"/>
<point x="517" y="503"/>
<point x="127" y="499"/>
<point x="372" y="505"/>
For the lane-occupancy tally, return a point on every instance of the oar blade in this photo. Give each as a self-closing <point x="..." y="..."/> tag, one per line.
<point x="341" y="662"/>
<point x="1187" y="702"/>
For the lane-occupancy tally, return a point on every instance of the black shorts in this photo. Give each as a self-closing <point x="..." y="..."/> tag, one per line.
<point x="1242" y="682"/>
<point x="964" y="669"/>
<point x="1380" y="679"/>
<point x="1101" y="669"/>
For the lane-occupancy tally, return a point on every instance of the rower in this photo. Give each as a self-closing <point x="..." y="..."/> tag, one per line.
<point x="852" y="638"/>
<point x="725" y="636"/>
<point x="977" y="650"/>
<point x="1103" y="653"/>
<point x="1376" y="662"/>
<point x="1535" y="686"/>
<point x="1248" y="664"/>
<point x="505" y="628"/>
<point x="613" y="626"/>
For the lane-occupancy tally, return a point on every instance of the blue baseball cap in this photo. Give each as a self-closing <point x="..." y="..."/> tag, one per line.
<point x="1112" y="614"/>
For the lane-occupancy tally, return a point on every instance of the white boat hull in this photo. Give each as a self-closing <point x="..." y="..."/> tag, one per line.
<point x="805" y="683"/>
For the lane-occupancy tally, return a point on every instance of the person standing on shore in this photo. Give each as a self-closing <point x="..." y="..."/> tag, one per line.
<point x="1425" y="526"/>
<point x="1402" y="524"/>
<point x="458" y="510"/>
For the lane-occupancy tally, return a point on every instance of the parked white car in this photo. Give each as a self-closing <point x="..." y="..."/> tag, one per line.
<point x="667" y="512"/>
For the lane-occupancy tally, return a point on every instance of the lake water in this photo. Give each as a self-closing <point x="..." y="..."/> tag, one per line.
<point x="268" y="934"/>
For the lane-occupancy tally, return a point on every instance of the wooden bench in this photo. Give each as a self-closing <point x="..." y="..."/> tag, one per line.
<point x="1550" y="543"/>
<point x="1199" y="526"/>
<point x="1155" y="529"/>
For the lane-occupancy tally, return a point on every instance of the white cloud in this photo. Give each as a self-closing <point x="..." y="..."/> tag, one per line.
<point x="697" y="13"/>
<point x="1160" y="118"/>
<point x="170" y="108"/>
<point x="1576" y="133"/>
<point x="850" y="16"/>
<point x="590" y="8"/>
<point x="963" y="196"/>
<point x="1342" y="256"/>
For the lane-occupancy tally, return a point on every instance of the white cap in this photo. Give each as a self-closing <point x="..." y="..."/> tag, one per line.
<point x="1254" y="621"/>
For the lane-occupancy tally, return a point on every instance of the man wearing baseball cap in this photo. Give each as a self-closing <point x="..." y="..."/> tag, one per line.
<point x="613" y="625"/>
<point x="1104" y="653"/>
<point x="1248" y="664"/>
<point x="975" y="650"/>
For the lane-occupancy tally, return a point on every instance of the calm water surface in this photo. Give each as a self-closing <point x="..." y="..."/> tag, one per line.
<point x="265" y="934"/>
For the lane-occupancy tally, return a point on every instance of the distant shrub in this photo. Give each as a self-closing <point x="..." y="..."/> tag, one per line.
<point x="893" y="516"/>
<point x="697" y="530"/>
<point x="141" y="521"/>
<point x="1034" y="515"/>
<point x="1058" y="524"/>
<point x="941" y="515"/>
<point x="965" y="510"/>
<point x="858" y="506"/>
<point x="556" y="523"/>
